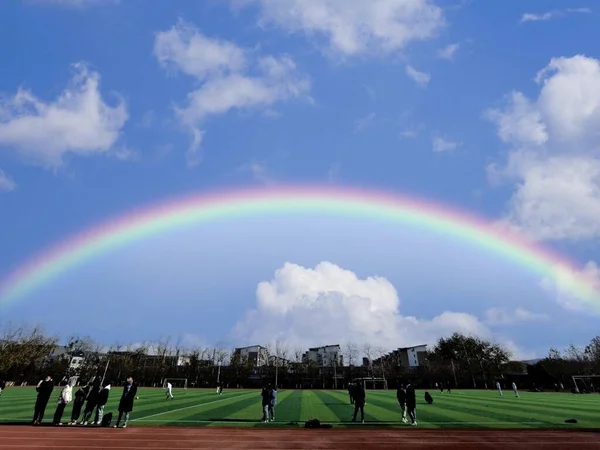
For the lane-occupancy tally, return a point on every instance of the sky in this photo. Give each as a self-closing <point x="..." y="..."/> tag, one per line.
<point x="491" y="107"/>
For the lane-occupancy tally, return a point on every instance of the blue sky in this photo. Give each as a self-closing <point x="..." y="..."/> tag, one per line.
<point x="492" y="107"/>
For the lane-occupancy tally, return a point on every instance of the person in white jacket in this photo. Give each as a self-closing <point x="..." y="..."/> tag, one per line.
<point x="169" y="389"/>
<point x="65" y="397"/>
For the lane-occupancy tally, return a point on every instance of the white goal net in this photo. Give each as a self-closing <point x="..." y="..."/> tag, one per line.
<point x="176" y="383"/>
<point x="586" y="384"/>
<point x="374" y="383"/>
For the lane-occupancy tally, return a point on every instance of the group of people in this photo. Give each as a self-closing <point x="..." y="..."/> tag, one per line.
<point x="405" y="394"/>
<point x="94" y="395"/>
<point x="269" y="400"/>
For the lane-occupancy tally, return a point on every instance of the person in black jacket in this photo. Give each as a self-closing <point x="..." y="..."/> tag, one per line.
<point x="126" y="402"/>
<point x="44" y="390"/>
<point x="101" y="403"/>
<point x="2" y="385"/>
<point x="92" y="401"/>
<point x="360" y="396"/>
<point x="411" y="404"/>
<point x="78" y="402"/>
<point x="351" y="392"/>
<point x="266" y="394"/>
<point x="401" y="397"/>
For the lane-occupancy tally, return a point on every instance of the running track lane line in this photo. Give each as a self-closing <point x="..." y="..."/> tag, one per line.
<point x="193" y="406"/>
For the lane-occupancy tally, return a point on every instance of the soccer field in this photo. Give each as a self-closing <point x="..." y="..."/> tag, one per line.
<point x="460" y="409"/>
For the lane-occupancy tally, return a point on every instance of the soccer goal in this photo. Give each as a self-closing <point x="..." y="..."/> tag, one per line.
<point x="586" y="384"/>
<point x="175" y="382"/>
<point x="373" y="383"/>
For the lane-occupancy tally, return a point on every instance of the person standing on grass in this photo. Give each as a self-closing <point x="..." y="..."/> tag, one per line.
<point x="499" y="388"/>
<point x="44" y="390"/>
<point x="273" y="403"/>
<point x="266" y="394"/>
<point x="401" y="397"/>
<point x="411" y="404"/>
<point x="351" y="392"/>
<point x="126" y="402"/>
<point x="92" y="402"/>
<point x="80" y="396"/>
<point x="360" y="397"/>
<point x="2" y="385"/>
<point x="65" y="397"/>
<point x="101" y="403"/>
<point x="169" y="391"/>
<point x="515" y="390"/>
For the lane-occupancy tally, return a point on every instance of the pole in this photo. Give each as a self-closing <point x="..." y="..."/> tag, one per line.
<point x="219" y="372"/>
<point x="105" y="370"/>
<point x="454" y="372"/>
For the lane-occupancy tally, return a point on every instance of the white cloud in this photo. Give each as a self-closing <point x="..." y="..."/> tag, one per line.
<point x="554" y="143"/>
<point x="231" y="78"/>
<point x="448" y="51"/>
<point x="441" y="145"/>
<point x="409" y="134"/>
<point x="75" y="3"/>
<point x="532" y="17"/>
<point x="421" y="78"/>
<point x="502" y="316"/>
<point x="6" y="183"/>
<point x="77" y="122"/>
<point x="353" y="27"/>
<point x="334" y="172"/>
<point x="561" y="287"/>
<point x="328" y="304"/>
<point x="259" y="172"/>
<point x="362" y="123"/>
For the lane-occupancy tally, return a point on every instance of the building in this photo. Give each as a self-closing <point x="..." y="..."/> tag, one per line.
<point x="256" y="355"/>
<point x="406" y="357"/>
<point x="326" y="356"/>
<point x="62" y="353"/>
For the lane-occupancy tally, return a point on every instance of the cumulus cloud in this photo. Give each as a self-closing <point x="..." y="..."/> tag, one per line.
<point x="329" y="304"/>
<point x="441" y="145"/>
<point x="502" y="316"/>
<point x="354" y="27"/>
<point x="6" y="183"/>
<point x="421" y="78"/>
<point x="554" y="145"/>
<point x="230" y="77"/>
<point x="77" y="122"/>
<point x="555" y="14"/>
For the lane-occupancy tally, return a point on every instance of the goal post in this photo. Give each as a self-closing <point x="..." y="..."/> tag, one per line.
<point x="585" y="384"/>
<point x="175" y="382"/>
<point x="373" y="383"/>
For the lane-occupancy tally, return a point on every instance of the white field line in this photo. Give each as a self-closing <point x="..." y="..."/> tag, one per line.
<point x="192" y="406"/>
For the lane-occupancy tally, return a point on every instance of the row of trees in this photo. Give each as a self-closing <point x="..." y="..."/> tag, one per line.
<point x="27" y="354"/>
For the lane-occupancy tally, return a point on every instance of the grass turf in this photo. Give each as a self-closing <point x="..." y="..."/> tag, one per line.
<point x="460" y="409"/>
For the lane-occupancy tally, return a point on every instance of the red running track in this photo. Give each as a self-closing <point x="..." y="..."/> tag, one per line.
<point x="175" y="438"/>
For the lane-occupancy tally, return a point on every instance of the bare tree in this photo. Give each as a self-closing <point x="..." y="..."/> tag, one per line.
<point x="380" y="352"/>
<point x="368" y="352"/>
<point x="23" y="348"/>
<point x="351" y="354"/>
<point x="281" y="351"/>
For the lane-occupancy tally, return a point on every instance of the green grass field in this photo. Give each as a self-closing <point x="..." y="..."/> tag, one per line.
<point x="460" y="409"/>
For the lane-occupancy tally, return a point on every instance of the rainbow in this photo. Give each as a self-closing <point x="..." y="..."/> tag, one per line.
<point x="341" y="201"/>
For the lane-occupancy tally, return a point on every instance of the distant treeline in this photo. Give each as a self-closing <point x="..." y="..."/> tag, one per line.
<point x="28" y="354"/>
